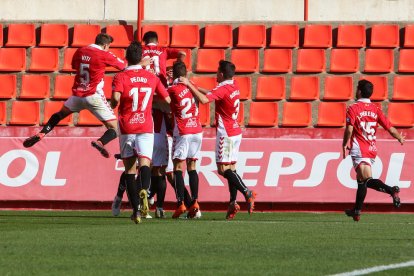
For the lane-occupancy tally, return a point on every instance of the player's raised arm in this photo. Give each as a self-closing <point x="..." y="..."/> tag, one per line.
<point x="200" y="96"/>
<point x="399" y="136"/>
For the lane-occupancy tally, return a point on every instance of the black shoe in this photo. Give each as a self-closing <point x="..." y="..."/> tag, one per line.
<point x="98" y="145"/>
<point x="33" y="140"/>
<point x="396" y="196"/>
<point x="355" y="214"/>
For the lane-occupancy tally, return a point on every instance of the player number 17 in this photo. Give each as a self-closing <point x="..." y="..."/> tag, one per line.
<point x="134" y="92"/>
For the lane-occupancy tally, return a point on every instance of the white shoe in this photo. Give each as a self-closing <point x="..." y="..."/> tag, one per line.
<point x="116" y="206"/>
<point x="147" y="216"/>
<point x="151" y="201"/>
<point x="198" y="214"/>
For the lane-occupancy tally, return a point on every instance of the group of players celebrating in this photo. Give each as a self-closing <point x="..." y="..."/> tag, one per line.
<point x="160" y="132"/>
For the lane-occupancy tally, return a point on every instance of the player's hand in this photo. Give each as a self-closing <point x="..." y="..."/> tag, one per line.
<point x="145" y="61"/>
<point x="184" y="80"/>
<point x="344" y="151"/>
<point x="401" y="139"/>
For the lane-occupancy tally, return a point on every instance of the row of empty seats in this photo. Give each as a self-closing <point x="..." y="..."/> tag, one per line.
<point x="261" y="114"/>
<point x="216" y="35"/>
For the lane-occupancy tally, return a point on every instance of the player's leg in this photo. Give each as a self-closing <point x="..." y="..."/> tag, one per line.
<point x="363" y="171"/>
<point x="131" y="187"/>
<point x="380" y="186"/>
<point x="194" y="147"/>
<point x="116" y="204"/>
<point x="179" y="188"/>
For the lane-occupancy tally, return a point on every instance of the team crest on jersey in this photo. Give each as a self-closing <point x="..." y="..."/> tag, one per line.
<point x="138" y="118"/>
<point x="192" y="122"/>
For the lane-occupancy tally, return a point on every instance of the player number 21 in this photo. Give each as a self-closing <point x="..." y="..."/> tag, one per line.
<point x="134" y="92"/>
<point x="186" y="102"/>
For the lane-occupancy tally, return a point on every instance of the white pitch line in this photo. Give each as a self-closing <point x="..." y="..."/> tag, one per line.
<point x="375" y="269"/>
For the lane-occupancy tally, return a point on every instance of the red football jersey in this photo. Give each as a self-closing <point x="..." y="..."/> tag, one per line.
<point x="159" y="56"/>
<point x="89" y="63"/>
<point x="227" y="100"/>
<point x="365" y="116"/>
<point x="137" y="87"/>
<point x="184" y="109"/>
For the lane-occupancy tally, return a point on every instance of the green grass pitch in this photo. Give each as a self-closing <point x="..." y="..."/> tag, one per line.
<point x="95" y="243"/>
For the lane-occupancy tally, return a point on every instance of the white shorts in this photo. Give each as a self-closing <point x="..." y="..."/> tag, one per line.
<point x="95" y="103"/>
<point x="227" y="148"/>
<point x="160" y="154"/>
<point x="187" y="146"/>
<point x="356" y="161"/>
<point x="139" y="145"/>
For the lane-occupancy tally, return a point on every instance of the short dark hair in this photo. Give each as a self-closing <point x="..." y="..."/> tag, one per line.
<point x="150" y="36"/>
<point x="366" y="88"/>
<point x="134" y="53"/>
<point x="179" y="69"/>
<point x="227" y="69"/>
<point x="102" y="39"/>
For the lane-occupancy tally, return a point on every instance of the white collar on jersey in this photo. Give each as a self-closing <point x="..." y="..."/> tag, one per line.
<point x="96" y="46"/>
<point x="364" y="100"/>
<point x="152" y="44"/>
<point x="225" y="82"/>
<point x="133" y="67"/>
<point x="176" y="81"/>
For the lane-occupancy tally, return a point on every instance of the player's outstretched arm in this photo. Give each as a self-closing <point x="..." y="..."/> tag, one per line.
<point x="203" y="90"/>
<point x="345" y="140"/>
<point x="200" y="96"/>
<point x="399" y="136"/>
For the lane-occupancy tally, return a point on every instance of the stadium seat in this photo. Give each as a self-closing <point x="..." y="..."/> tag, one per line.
<point x="204" y="82"/>
<point x="67" y="59"/>
<point x="405" y="64"/>
<point x="251" y="36"/>
<point x="263" y="114"/>
<point x="379" y="60"/>
<point x="86" y="118"/>
<point x="296" y="114"/>
<point x="385" y="36"/>
<point x="84" y="34"/>
<point x="3" y="113"/>
<point x="338" y="88"/>
<point x="118" y="52"/>
<point x="270" y="88"/>
<point x="403" y="88"/>
<point x="351" y="36"/>
<point x="245" y="60"/>
<point x="44" y="59"/>
<point x="12" y="59"/>
<point x="108" y="86"/>
<point x="304" y="88"/>
<point x="21" y="35"/>
<point x="208" y="59"/>
<point x="245" y="86"/>
<point x="344" y="60"/>
<point x="331" y="114"/>
<point x="401" y="114"/>
<point x="51" y="107"/>
<point x="123" y="35"/>
<point x="204" y="113"/>
<point x="310" y="61"/>
<point x="409" y="36"/>
<point x="277" y="61"/>
<point x="317" y="36"/>
<point x="1" y="35"/>
<point x="24" y="113"/>
<point x="218" y="36"/>
<point x="163" y="32"/>
<point x="240" y="116"/>
<point x="63" y="86"/>
<point x="380" y="87"/>
<point x="54" y="35"/>
<point x="185" y="36"/>
<point x="284" y="36"/>
<point x="35" y="87"/>
<point x="8" y="86"/>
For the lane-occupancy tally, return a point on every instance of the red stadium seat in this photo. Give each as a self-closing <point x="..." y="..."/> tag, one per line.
<point x="185" y="36"/>
<point x="409" y="36"/>
<point x="338" y="88"/>
<point x="67" y="59"/>
<point x="245" y="86"/>
<point x="108" y="86"/>
<point x="351" y="36"/>
<point x="284" y="36"/>
<point x="385" y="36"/>
<point x="123" y="35"/>
<point x="3" y="113"/>
<point x="163" y="32"/>
<point x="277" y="60"/>
<point x="270" y="88"/>
<point x="54" y="35"/>
<point x="35" y="87"/>
<point x="379" y="60"/>
<point x="44" y="59"/>
<point x="331" y="114"/>
<point x="318" y="36"/>
<point x="344" y="60"/>
<point x="218" y="36"/>
<point x="51" y="107"/>
<point x="251" y="36"/>
<point x="403" y="88"/>
<point x="296" y="114"/>
<point x="1" y="35"/>
<point x="21" y="35"/>
<point x="240" y="116"/>
<point x="24" y="113"/>
<point x="310" y="61"/>
<point x="63" y="86"/>
<point x="84" y="34"/>
<point x="118" y="52"/>
<point x="401" y="114"/>
<point x="304" y="88"/>
<point x="245" y="60"/>
<point x="12" y="59"/>
<point x="208" y="60"/>
<point x="380" y="87"/>
<point x="204" y="82"/>
<point x="7" y="86"/>
<point x="86" y="118"/>
<point x="263" y="114"/>
<point x="204" y="113"/>
<point x="405" y="64"/>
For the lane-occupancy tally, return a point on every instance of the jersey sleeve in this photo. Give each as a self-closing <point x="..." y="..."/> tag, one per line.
<point x="215" y="94"/>
<point x="117" y="84"/>
<point x="114" y="61"/>
<point x="383" y="121"/>
<point x="172" y="53"/>
<point x="350" y="117"/>
<point x="160" y="89"/>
